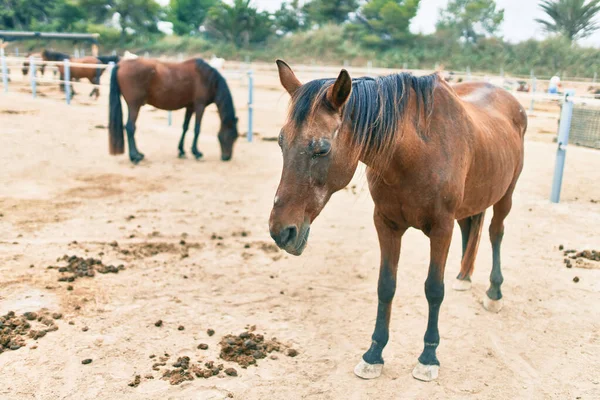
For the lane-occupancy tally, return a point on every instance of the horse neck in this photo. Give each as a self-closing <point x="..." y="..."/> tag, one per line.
<point x="412" y="137"/>
<point x="224" y="102"/>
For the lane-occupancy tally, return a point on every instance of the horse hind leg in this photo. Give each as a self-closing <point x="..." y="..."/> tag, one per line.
<point x="471" y="234"/>
<point x="134" y="155"/>
<point x="492" y="301"/>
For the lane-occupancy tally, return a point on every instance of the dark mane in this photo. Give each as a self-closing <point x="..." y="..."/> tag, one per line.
<point x="375" y="108"/>
<point x="55" y="56"/>
<point x="108" y="59"/>
<point x="222" y="99"/>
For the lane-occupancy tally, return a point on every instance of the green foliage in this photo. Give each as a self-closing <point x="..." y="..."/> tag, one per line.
<point x="141" y="16"/>
<point x="384" y="22"/>
<point x="20" y="14"/>
<point x="324" y="12"/>
<point x="98" y="11"/>
<point x="470" y="19"/>
<point x="573" y="19"/>
<point x="240" y="23"/>
<point x="290" y="17"/>
<point x="188" y="15"/>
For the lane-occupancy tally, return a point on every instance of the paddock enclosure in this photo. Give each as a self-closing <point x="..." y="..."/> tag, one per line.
<point x="193" y="240"/>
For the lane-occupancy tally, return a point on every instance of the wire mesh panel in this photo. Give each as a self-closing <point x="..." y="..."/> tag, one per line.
<point x="585" y="126"/>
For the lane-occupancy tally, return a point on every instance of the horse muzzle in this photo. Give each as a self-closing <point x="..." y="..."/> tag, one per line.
<point x="291" y="239"/>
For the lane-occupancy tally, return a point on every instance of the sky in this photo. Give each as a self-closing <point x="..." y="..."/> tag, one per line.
<point x="519" y="16"/>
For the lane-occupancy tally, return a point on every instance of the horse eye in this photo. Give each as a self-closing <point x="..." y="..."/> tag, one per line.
<point x="280" y="140"/>
<point x="323" y="149"/>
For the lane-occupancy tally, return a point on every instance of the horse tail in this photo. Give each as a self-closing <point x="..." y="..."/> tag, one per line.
<point x="116" y="140"/>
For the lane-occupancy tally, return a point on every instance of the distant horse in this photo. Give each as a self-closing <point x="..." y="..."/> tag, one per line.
<point x="435" y="153"/>
<point x="40" y="65"/>
<point x="191" y="84"/>
<point x="78" y="72"/>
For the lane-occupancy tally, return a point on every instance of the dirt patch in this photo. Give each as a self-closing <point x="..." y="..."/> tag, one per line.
<point x="247" y="347"/>
<point x="16" y="112"/>
<point x="186" y="370"/>
<point x="15" y="330"/>
<point x="150" y="249"/>
<point x="79" y="267"/>
<point x="587" y="259"/>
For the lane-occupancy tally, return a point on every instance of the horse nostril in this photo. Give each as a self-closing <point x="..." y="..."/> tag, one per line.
<point x="287" y="235"/>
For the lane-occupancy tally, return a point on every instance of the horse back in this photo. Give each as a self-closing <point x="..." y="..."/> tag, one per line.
<point x="168" y="86"/>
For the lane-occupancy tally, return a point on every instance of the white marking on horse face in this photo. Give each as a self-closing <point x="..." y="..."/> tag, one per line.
<point x="276" y="200"/>
<point x="335" y="134"/>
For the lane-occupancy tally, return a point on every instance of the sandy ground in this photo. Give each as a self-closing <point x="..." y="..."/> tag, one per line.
<point x="58" y="185"/>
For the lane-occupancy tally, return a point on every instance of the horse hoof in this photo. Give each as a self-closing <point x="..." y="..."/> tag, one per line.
<point x="461" y="285"/>
<point x="137" y="158"/>
<point x="426" y="373"/>
<point x="365" y="370"/>
<point x="492" y="305"/>
<point x="198" y="155"/>
<point x="182" y="155"/>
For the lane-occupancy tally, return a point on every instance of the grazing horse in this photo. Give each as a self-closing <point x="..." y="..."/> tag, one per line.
<point x="434" y="153"/>
<point x="77" y="72"/>
<point x="41" y="66"/>
<point x="191" y="84"/>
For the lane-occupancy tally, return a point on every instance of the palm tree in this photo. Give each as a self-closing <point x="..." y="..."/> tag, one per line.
<point x="574" y="19"/>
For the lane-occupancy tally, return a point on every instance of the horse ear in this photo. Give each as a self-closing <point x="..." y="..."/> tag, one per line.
<point x="287" y="77"/>
<point x="339" y="93"/>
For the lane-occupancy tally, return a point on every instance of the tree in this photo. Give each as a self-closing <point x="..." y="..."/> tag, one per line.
<point x="188" y="15"/>
<point x="20" y="14"/>
<point x="385" y="21"/>
<point x="330" y="11"/>
<point x="470" y="19"/>
<point x="141" y="16"/>
<point x="240" y="23"/>
<point x="573" y="19"/>
<point x="290" y="17"/>
<point x="98" y="11"/>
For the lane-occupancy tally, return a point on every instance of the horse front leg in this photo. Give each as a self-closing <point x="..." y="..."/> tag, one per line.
<point x="186" y="124"/>
<point x="440" y="237"/>
<point x="199" y="114"/>
<point x="390" y="237"/>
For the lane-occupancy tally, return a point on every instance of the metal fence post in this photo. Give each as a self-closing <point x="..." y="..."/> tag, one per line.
<point x="4" y="70"/>
<point x="468" y="74"/>
<point x="32" y="76"/>
<point x="533" y="89"/>
<point x="561" y="153"/>
<point x="250" y="106"/>
<point x="76" y="53"/>
<point x="369" y="67"/>
<point x="502" y="72"/>
<point x="82" y="52"/>
<point x="595" y="76"/>
<point x="16" y="51"/>
<point x="404" y="66"/>
<point x="67" y="78"/>
<point x="170" y="118"/>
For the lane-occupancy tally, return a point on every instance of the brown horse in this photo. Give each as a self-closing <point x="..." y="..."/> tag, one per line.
<point x="77" y="72"/>
<point x="434" y="154"/>
<point x="191" y="84"/>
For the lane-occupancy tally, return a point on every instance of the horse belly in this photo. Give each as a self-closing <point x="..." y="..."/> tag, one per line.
<point x="493" y="171"/>
<point x="170" y="91"/>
